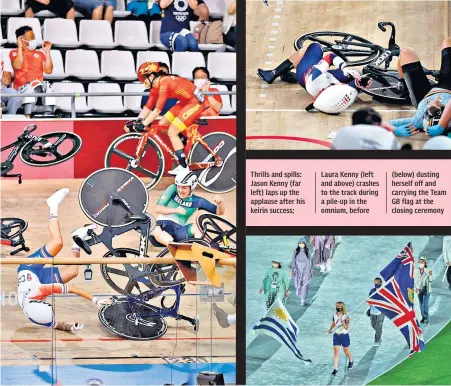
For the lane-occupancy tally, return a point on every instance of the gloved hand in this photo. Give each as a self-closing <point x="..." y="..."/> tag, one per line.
<point x="139" y="127"/>
<point x="405" y="131"/>
<point x="351" y="72"/>
<point x="435" y="130"/>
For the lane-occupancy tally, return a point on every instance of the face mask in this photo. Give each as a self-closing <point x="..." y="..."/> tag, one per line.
<point x="302" y="246"/>
<point x="421" y="265"/>
<point x="32" y="44"/>
<point x="377" y="285"/>
<point x="199" y="83"/>
<point x="339" y="309"/>
<point x="275" y="265"/>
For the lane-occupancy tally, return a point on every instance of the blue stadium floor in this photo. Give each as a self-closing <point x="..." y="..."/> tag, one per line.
<point x="356" y="262"/>
<point x="146" y="374"/>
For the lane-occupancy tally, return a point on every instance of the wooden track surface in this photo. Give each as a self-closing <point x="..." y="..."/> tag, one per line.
<point x="23" y="342"/>
<point x="270" y="35"/>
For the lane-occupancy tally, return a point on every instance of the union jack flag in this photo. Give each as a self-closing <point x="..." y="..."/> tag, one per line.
<point x="405" y="257"/>
<point x="389" y="300"/>
<point x="395" y="298"/>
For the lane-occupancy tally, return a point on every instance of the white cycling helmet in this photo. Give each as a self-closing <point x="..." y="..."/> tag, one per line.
<point x="186" y="178"/>
<point x="334" y="99"/>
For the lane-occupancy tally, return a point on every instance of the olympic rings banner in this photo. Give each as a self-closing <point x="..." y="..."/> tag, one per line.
<point x="96" y="134"/>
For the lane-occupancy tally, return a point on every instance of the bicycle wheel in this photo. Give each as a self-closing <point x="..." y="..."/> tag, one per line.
<point x="166" y="275"/>
<point x="344" y="45"/>
<point x="217" y="179"/>
<point x="218" y="231"/>
<point x="385" y="86"/>
<point x="63" y="147"/>
<point x="146" y="324"/>
<point x="122" y="152"/>
<point x="12" y="227"/>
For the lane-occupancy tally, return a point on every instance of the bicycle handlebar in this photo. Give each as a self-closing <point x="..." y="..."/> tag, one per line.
<point x="33" y="126"/>
<point x="382" y="25"/>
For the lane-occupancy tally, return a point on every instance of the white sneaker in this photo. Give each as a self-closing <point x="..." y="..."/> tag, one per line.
<point x="83" y="232"/>
<point x="302" y="302"/>
<point x="323" y="268"/>
<point x="56" y="198"/>
<point x="177" y="170"/>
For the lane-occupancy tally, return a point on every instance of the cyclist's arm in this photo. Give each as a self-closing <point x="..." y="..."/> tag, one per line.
<point x="210" y="207"/>
<point x="161" y="100"/>
<point x="446" y="116"/>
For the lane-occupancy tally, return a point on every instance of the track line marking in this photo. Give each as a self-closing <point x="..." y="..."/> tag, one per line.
<point x="103" y="339"/>
<point x="303" y="110"/>
<point x="288" y="138"/>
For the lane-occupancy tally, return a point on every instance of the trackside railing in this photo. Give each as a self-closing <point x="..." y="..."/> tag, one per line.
<point x="75" y="95"/>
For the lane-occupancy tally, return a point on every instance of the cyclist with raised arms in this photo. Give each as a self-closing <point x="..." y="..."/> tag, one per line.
<point x="430" y="100"/>
<point x="177" y="204"/>
<point x="313" y="71"/>
<point x="190" y="106"/>
<point x="36" y="282"/>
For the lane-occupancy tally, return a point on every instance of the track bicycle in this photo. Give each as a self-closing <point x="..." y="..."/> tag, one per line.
<point x="117" y="199"/>
<point x="12" y="230"/>
<point x="46" y="150"/>
<point x="211" y="157"/>
<point x="378" y="81"/>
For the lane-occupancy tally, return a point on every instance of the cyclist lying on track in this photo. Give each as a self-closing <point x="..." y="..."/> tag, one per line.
<point x="190" y="107"/>
<point x="36" y="282"/>
<point x="429" y="100"/>
<point x="176" y="205"/>
<point x="313" y="71"/>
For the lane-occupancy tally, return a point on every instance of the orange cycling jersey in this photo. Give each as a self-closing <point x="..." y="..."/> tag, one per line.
<point x="32" y="67"/>
<point x="171" y="87"/>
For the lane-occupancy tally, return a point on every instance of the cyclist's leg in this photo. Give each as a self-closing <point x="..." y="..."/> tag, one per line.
<point x="313" y="55"/>
<point x="445" y="67"/>
<point x="186" y="117"/>
<point x="163" y="231"/>
<point x="56" y="239"/>
<point x="174" y="133"/>
<point x="410" y="68"/>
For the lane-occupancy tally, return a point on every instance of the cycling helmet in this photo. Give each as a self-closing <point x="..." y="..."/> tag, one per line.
<point x="334" y="99"/>
<point x="186" y="178"/>
<point x="432" y="116"/>
<point x="146" y="69"/>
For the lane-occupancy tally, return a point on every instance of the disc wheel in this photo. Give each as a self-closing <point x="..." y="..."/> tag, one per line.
<point x="347" y="46"/>
<point x="64" y="146"/>
<point x="121" y="154"/>
<point x="217" y="179"/>
<point x="218" y="231"/>
<point x="119" y="319"/>
<point x="12" y="227"/>
<point x="166" y="275"/>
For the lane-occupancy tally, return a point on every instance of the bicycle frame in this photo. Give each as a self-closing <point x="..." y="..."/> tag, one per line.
<point x="15" y="152"/>
<point x="193" y="137"/>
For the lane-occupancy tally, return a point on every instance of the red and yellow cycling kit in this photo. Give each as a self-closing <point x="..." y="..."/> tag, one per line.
<point x="189" y="108"/>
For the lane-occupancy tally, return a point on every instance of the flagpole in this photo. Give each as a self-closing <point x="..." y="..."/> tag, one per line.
<point x="364" y="314"/>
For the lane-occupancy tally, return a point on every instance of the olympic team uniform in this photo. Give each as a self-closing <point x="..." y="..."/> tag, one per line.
<point x="341" y="335"/>
<point x="34" y="284"/>
<point x="313" y="73"/>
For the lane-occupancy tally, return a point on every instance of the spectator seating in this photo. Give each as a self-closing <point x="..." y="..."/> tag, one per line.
<point x="226" y="106"/>
<point x="96" y="34"/>
<point x="131" y="34"/>
<point x="118" y="65"/>
<point x="154" y="35"/>
<point x="17" y="22"/>
<point x="133" y="103"/>
<point x="105" y="104"/>
<point x="83" y="64"/>
<point x="183" y="63"/>
<point x="222" y="66"/>
<point x="3" y="41"/>
<point x="216" y="8"/>
<point x="58" y="66"/>
<point x="234" y="98"/>
<point x="61" y="32"/>
<point x="64" y="103"/>
<point x="152" y="56"/>
<point x="11" y="7"/>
